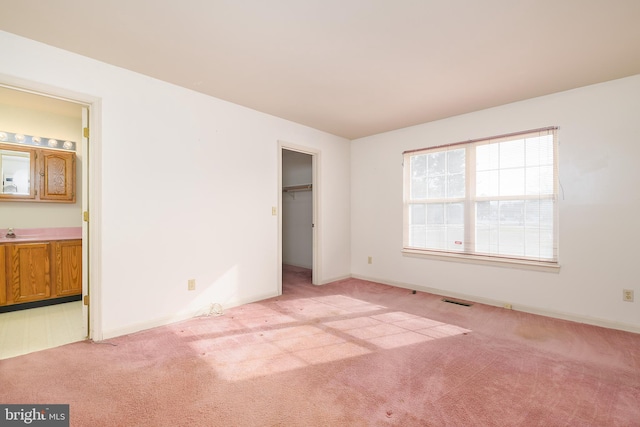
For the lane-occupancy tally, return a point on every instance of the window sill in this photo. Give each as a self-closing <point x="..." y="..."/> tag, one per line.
<point x="483" y="260"/>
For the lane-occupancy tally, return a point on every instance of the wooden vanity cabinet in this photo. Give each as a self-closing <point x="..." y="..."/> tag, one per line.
<point x="3" y="277"/>
<point x="68" y="267"/>
<point x="28" y="272"/>
<point x="40" y="270"/>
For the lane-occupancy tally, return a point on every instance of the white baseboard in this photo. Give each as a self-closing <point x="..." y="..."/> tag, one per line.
<point x="517" y="307"/>
<point x="179" y="317"/>
<point x="335" y="279"/>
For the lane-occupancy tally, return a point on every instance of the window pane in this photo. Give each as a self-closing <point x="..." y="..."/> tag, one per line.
<point x="456" y="161"/>
<point x="455" y="238"/>
<point x="512" y="154"/>
<point x="487" y="239"/>
<point x="539" y="180"/>
<point x="512" y="182"/>
<point x="445" y="226"/>
<point x="418" y="184"/>
<point x="455" y="213"/>
<point x="417" y="225"/>
<point x="487" y="157"/>
<point x="455" y="226"/>
<point x="487" y="183"/>
<point x="418" y="236"/>
<point x="436" y="163"/>
<point x="511" y="229"/>
<point x="540" y="150"/>
<point x="435" y="213"/>
<point x="487" y="213"/>
<point x="417" y="215"/>
<point x="456" y="185"/>
<point x="436" y="186"/>
<point x="546" y="213"/>
<point x="512" y="212"/>
<point x="511" y="240"/>
<point x="436" y="237"/>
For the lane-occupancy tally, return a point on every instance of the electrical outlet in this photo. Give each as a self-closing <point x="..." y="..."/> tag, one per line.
<point x="627" y="295"/>
<point x="370" y="260"/>
<point x="274" y="211"/>
<point x="508" y="306"/>
<point x="191" y="285"/>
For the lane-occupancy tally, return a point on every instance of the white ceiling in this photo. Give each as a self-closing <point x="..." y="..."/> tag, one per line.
<point x="349" y="67"/>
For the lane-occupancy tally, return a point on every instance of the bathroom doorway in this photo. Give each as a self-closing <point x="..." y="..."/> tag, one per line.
<point x="41" y="324"/>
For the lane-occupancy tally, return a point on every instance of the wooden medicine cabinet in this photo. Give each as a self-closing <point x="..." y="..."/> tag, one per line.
<point x="37" y="174"/>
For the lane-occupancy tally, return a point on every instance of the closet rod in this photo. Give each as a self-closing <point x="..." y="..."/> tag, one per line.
<point x="292" y="188"/>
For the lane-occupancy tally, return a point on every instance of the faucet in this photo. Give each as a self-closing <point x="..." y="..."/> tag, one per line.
<point x="10" y="233"/>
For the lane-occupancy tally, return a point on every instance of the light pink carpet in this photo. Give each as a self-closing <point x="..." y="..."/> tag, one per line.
<point x="352" y="353"/>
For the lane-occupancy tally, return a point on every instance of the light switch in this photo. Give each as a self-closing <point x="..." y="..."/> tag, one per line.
<point x="274" y="210"/>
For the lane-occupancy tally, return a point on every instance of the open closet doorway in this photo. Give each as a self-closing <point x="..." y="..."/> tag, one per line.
<point x="298" y="207"/>
<point x="46" y="265"/>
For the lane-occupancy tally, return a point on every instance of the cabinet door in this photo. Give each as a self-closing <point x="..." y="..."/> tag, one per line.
<point x="57" y="176"/>
<point x="28" y="274"/>
<point x="68" y="268"/>
<point x="3" y="277"/>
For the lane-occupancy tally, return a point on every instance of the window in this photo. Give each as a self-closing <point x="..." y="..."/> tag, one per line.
<point x="493" y="199"/>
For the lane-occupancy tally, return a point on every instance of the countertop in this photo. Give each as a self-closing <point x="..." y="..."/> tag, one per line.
<point x="25" y="235"/>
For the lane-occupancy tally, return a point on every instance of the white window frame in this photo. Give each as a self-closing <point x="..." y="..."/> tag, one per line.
<point x="467" y="251"/>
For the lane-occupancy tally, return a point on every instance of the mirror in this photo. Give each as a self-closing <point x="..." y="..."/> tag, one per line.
<point x="16" y="172"/>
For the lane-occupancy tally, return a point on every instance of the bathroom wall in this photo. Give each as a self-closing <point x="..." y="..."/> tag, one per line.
<point x="22" y="113"/>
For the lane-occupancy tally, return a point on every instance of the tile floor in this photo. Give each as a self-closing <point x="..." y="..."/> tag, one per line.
<point x="26" y="331"/>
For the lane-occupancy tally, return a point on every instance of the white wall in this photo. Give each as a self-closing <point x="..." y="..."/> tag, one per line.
<point x="599" y="140"/>
<point x="297" y="210"/>
<point x="17" y="119"/>
<point x="186" y="187"/>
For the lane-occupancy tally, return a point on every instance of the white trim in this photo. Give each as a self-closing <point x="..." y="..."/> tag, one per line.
<point x="483" y="260"/>
<point x="85" y="225"/>
<point x="594" y="321"/>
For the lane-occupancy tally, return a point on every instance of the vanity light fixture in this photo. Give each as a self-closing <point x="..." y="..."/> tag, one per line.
<point x="18" y="138"/>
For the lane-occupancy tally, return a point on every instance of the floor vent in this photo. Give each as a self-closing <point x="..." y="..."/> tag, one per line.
<point x="452" y="301"/>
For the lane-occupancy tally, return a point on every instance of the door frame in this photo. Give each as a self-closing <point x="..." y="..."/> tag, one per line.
<point x="91" y="183"/>
<point x="316" y="218"/>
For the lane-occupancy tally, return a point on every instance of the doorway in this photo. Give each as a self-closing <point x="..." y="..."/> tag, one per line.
<point x="298" y="205"/>
<point x="42" y="324"/>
